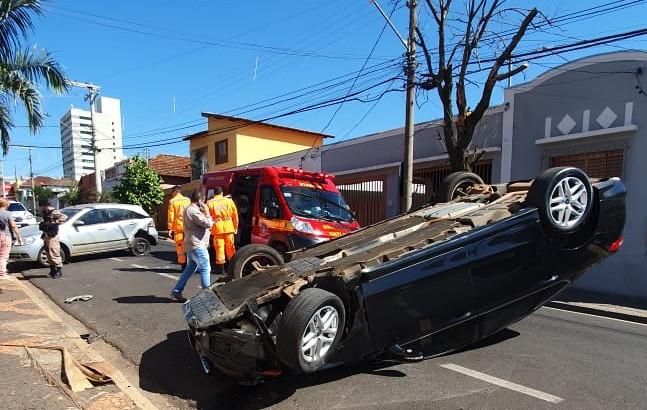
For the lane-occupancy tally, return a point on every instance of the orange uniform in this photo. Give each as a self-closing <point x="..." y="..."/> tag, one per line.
<point x="176" y="207"/>
<point x="225" y="224"/>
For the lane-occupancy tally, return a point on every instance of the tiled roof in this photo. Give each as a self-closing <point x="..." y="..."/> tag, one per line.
<point x="47" y="181"/>
<point x="171" y="165"/>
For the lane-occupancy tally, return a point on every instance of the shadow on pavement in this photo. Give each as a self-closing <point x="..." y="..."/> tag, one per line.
<point x="171" y="367"/>
<point x="144" y="299"/>
<point x="169" y="256"/>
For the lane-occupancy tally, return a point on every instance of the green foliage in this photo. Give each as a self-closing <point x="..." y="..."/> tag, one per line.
<point x="72" y="197"/>
<point x="139" y="185"/>
<point x="43" y="193"/>
<point x="23" y="68"/>
<point x="106" y="197"/>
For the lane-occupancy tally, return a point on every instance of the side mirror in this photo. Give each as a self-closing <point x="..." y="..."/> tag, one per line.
<point x="272" y="210"/>
<point x="78" y="223"/>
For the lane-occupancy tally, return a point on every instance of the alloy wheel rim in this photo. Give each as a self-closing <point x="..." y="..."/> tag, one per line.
<point x="568" y="202"/>
<point x="319" y="334"/>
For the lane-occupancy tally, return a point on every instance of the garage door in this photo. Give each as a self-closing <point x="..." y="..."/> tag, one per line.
<point x="366" y="195"/>
<point x="600" y="164"/>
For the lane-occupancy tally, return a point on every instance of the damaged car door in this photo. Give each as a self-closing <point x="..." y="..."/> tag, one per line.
<point x="422" y="294"/>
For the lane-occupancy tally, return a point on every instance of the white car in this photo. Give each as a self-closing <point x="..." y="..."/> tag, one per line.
<point x="20" y="214"/>
<point x="90" y="229"/>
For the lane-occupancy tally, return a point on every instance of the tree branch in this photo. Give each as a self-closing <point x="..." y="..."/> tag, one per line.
<point x="493" y="75"/>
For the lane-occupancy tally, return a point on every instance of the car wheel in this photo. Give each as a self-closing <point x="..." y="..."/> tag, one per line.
<point x="456" y="185"/>
<point x="310" y="329"/>
<point x="244" y="260"/>
<point x="140" y="247"/>
<point x="564" y="198"/>
<point x="42" y="258"/>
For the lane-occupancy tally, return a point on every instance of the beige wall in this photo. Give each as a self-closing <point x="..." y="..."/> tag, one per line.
<point x="250" y="143"/>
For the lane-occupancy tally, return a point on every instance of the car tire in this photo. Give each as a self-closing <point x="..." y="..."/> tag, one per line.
<point x="301" y="323"/>
<point x="140" y="247"/>
<point x="563" y="197"/>
<point x="241" y="264"/>
<point x="42" y="257"/>
<point x="454" y="183"/>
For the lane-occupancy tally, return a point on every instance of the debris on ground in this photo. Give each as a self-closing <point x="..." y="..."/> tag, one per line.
<point x="79" y="298"/>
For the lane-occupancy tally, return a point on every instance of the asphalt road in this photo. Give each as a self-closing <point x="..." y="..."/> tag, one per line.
<point x="552" y="359"/>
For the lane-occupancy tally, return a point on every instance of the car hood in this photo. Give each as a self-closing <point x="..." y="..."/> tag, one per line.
<point x="31" y="230"/>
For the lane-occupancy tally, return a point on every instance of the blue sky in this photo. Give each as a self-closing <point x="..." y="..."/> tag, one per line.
<point x="168" y="61"/>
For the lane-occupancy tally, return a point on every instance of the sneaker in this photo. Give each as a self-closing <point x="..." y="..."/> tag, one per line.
<point x="178" y="297"/>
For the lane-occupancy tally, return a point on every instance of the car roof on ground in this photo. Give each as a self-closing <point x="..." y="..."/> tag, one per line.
<point x="108" y="205"/>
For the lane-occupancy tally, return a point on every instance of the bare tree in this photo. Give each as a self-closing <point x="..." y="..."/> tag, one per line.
<point x="451" y="69"/>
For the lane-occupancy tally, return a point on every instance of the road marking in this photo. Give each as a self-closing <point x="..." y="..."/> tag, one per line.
<point x="596" y="316"/>
<point x="152" y="270"/>
<point x="503" y="383"/>
<point x="117" y="259"/>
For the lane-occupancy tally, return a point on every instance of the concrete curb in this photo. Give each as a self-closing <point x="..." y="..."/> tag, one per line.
<point x="598" y="311"/>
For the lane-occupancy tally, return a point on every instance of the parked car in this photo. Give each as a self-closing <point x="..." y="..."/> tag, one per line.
<point x="442" y="277"/>
<point x="90" y="229"/>
<point x="20" y="214"/>
<point x="284" y="209"/>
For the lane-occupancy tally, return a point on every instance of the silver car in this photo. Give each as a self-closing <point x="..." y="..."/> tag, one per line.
<point x="20" y="214"/>
<point x="90" y="229"/>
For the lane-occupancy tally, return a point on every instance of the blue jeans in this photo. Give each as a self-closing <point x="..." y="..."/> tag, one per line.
<point x="197" y="260"/>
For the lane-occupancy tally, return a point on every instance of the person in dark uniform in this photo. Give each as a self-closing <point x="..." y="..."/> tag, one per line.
<point x="52" y="218"/>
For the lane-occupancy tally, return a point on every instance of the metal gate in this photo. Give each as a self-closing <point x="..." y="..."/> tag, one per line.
<point x="366" y="195"/>
<point x="427" y="180"/>
<point x="601" y="164"/>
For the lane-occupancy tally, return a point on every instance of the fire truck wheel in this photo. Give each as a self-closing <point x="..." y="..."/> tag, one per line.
<point x="251" y="257"/>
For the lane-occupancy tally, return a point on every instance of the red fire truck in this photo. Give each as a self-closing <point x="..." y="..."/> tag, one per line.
<point x="282" y="208"/>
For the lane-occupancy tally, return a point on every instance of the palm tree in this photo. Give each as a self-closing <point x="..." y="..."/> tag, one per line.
<point x="22" y="68"/>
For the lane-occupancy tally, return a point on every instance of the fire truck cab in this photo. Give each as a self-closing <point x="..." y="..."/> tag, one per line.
<point x="285" y="208"/>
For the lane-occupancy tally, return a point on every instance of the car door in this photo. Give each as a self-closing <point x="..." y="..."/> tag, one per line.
<point x="417" y="296"/>
<point x="508" y="262"/>
<point x="120" y="226"/>
<point x="89" y="233"/>
<point x="269" y="215"/>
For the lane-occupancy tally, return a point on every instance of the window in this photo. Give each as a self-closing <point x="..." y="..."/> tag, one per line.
<point x="16" y="207"/>
<point x="270" y="206"/>
<point x="601" y="164"/>
<point x="222" y="152"/>
<point x="95" y="216"/>
<point x="117" y="214"/>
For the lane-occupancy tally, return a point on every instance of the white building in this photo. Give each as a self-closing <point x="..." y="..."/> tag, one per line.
<point x="76" y="138"/>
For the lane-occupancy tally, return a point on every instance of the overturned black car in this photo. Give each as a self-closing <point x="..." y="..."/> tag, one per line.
<point x="444" y="276"/>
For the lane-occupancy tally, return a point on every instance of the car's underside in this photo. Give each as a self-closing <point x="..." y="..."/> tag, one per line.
<point x="234" y="327"/>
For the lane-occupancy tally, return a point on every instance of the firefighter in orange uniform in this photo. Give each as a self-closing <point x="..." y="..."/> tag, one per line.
<point x="225" y="225"/>
<point x="176" y="207"/>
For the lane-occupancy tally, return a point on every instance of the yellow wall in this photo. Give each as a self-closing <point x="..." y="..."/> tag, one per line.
<point x="251" y="143"/>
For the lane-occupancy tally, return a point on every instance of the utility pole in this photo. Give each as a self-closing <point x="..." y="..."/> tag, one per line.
<point x="93" y="91"/>
<point x="409" y="124"/>
<point x="33" y="185"/>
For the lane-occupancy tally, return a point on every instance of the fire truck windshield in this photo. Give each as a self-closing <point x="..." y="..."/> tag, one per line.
<point x="317" y="203"/>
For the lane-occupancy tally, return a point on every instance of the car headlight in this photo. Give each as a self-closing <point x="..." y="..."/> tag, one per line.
<point x="30" y="217"/>
<point x="301" y="226"/>
<point x="29" y="240"/>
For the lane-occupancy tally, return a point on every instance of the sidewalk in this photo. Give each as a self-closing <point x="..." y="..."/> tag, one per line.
<point x="601" y="304"/>
<point x="24" y="373"/>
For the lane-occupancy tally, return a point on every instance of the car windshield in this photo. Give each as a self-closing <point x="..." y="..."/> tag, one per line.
<point x="15" y="207"/>
<point x="317" y="203"/>
<point x="70" y="212"/>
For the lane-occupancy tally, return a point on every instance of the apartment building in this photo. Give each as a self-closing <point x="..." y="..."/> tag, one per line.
<point x="76" y="138"/>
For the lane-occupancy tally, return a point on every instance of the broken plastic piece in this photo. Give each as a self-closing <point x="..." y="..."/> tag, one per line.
<point x="79" y="298"/>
